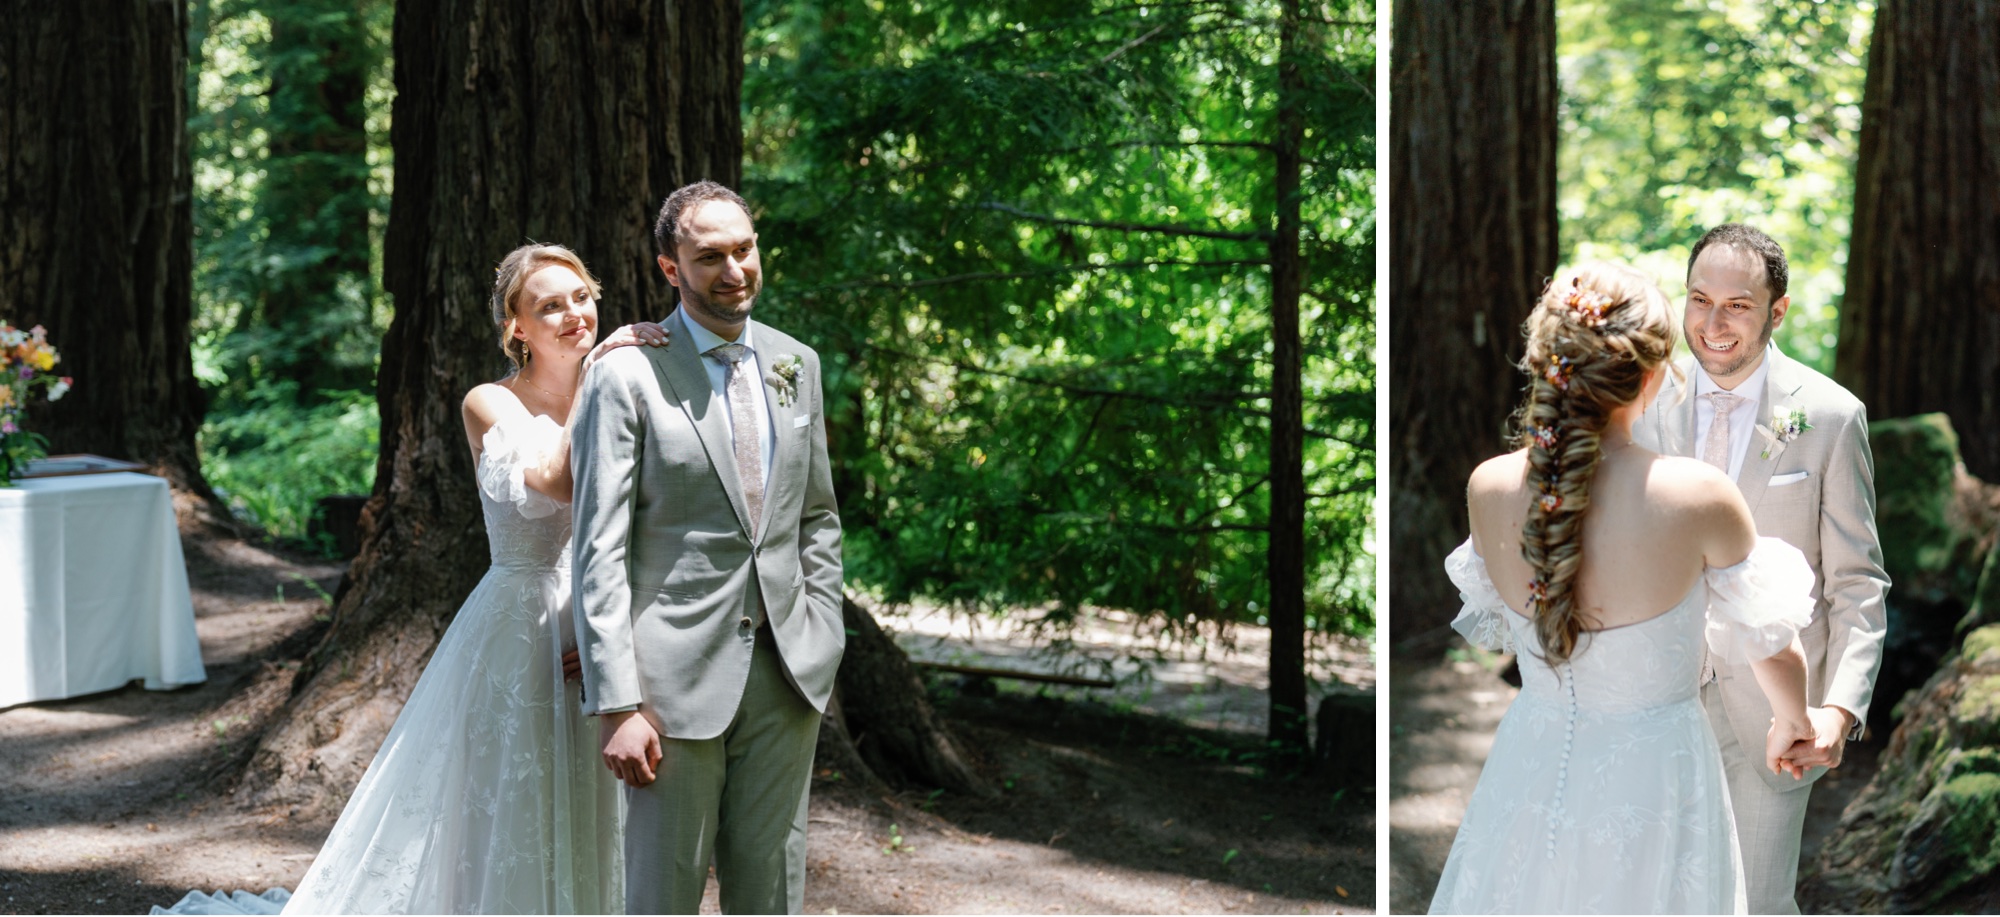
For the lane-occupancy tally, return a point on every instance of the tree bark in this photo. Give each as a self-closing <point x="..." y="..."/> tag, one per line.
<point x="1920" y="323"/>
<point x="885" y="719"/>
<point x="1287" y="544"/>
<point x="96" y="225"/>
<point x="514" y="120"/>
<point x="1473" y="235"/>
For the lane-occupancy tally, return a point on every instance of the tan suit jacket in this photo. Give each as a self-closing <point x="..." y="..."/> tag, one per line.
<point x="1816" y="492"/>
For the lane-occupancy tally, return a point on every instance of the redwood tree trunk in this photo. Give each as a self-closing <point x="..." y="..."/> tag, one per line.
<point x="882" y="721"/>
<point x="1472" y="140"/>
<point x="514" y="120"/>
<point x="96" y="225"/>
<point x="1920" y="325"/>
<point x="1287" y="547"/>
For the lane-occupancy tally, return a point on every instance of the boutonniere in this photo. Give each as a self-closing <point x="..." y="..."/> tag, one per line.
<point x="1790" y="421"/>
<point x="784" y="377"/>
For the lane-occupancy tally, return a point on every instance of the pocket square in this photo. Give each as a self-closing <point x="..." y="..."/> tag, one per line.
<point x="801" y="420"/>
<point x="1780" y="480"/>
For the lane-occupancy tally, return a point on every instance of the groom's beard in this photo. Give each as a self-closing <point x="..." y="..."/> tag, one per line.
<point x="727" y="314"/>
<point x="1735" y="361"/>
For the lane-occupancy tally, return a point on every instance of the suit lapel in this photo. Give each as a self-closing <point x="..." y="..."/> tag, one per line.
<point x="1677" y="437"/>
<point x="782" y="411"/>
<point x="680" y="369"/>
<point x="1756" y="474"/>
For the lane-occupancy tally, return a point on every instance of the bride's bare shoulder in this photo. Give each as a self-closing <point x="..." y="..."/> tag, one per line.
<point x="1498" y="477"/>
<point x="487" y="405"/>
<point x="1690" y="485"/>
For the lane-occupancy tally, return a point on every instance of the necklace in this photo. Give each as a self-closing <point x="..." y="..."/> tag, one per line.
<point x="531" y="383"/>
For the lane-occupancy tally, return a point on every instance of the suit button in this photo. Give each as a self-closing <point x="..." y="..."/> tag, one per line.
<point x="746" y="622"/>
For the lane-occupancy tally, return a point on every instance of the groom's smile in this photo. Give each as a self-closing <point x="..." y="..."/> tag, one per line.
<point x="717" y="266"/>
<point x="1730" y="315"/>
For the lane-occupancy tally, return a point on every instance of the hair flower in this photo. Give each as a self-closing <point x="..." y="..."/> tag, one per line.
<point x="1587" y="306"/>
<point x="1558" y="371"/>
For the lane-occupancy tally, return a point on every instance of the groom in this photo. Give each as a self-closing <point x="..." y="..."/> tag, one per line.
<point x="1796" y="444"/>
<point x="707" y="576"/>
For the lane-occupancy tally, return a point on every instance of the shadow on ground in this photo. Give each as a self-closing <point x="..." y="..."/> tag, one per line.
<point x="119" y="801"/>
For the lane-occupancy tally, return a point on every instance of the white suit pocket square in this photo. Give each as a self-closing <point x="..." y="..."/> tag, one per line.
<point x="801" y="420"/>
<point x="1780" y="480"/>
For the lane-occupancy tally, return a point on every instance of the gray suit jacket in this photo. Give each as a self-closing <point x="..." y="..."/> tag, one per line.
<point x="1817" y="493"/>
<point x="666" y="571"/>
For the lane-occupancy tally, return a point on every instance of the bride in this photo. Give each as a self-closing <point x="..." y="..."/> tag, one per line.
<point x="488" y="795"/>
<point x="1610" y="569"/>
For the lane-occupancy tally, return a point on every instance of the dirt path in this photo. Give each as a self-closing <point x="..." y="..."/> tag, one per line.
<point x="1443" y="713"/>
<point x="1142" y="799"/>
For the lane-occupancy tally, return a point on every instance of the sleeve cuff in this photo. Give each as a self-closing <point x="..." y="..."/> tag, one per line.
<point x="628" y="708"/>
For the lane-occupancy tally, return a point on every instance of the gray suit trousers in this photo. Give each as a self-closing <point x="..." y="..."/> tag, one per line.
<point x="726" y="799"/>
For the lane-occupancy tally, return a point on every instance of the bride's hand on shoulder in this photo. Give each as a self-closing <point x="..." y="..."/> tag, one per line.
<point x="1779" y="742"/>
<point x="638" y="334"/>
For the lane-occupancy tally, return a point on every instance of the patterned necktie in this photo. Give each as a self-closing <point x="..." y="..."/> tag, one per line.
<point x="1715" y="449"/>
<point x="743" y="423"/>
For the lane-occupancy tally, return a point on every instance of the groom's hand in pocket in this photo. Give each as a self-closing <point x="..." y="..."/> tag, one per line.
<point x="631" y="747"/>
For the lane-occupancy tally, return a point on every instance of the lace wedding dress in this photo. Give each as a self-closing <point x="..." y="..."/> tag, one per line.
<point x="1604" y="790"/>
<point x="488" y="795"/>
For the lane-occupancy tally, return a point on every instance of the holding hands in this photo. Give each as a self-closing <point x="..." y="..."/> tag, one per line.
<point x="1826" y="742"/>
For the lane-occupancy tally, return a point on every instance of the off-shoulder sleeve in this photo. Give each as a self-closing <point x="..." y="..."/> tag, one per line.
<point x="509" y="448"/>
<point x="1756" y="607"/>
<point x="1483" y="619"/>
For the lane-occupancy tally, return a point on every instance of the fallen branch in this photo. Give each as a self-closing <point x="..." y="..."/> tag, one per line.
<point x="1076" y="680"/>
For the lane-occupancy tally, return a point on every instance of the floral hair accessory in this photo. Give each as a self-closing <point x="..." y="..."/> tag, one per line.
<point x="1538" y="592"/>
<point x="1587" y="305"/>
<point x="1550" y="501"/>
<point x="1558" y="371"/>
<point x="1544" y="436"/>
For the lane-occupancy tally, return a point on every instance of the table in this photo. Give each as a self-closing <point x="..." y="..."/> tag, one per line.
<point x="93" y="588"/>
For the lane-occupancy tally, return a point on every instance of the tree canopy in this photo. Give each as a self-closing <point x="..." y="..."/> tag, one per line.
<point x="1678" y="116"/>
<point x="1033" y="238"/>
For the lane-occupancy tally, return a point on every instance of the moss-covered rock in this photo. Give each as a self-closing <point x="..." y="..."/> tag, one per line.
<point x="1916" y="465"/>
<point x="1928" y="824"/>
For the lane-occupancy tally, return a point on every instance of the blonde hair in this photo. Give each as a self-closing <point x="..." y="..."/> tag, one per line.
<point x="513" y="274"/>
<point x="1593" y="337"/>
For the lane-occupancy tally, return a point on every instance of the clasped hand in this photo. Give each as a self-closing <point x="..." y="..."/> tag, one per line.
<point x="631" y="747"/>
<point x="1819" y="742"/>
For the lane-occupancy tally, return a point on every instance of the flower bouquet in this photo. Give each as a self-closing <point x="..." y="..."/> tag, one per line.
<point x="25" y="362"/>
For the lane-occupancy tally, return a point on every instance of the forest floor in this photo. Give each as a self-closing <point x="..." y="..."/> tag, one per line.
<point x="1443" y="711"/>
<point x="1143" y="798"/>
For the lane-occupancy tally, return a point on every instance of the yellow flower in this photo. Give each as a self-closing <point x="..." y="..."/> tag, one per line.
<point x="44" y="359"/>
<point x="6" y="395"/>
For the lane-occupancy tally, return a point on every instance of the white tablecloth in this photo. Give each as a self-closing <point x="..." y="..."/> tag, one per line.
<point x="93" y="588"/>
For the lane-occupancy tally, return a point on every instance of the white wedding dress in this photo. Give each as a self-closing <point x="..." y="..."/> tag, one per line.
<point x="1604" y="790"/>
<point x="488" y="795"/>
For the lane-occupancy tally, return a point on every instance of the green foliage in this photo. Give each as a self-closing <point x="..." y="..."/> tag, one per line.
<point x="1677" y="116"/>
<point x="289" y="123"/>
<point x="1032" y="241"/>
<point x="272" y="460"/>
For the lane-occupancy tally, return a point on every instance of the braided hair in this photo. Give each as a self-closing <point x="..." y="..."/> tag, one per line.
<point x="1592" y="338"/>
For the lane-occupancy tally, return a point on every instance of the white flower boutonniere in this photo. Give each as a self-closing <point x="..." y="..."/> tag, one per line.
<point x="1790" y="422"/>
<point x="784" y="377"/>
